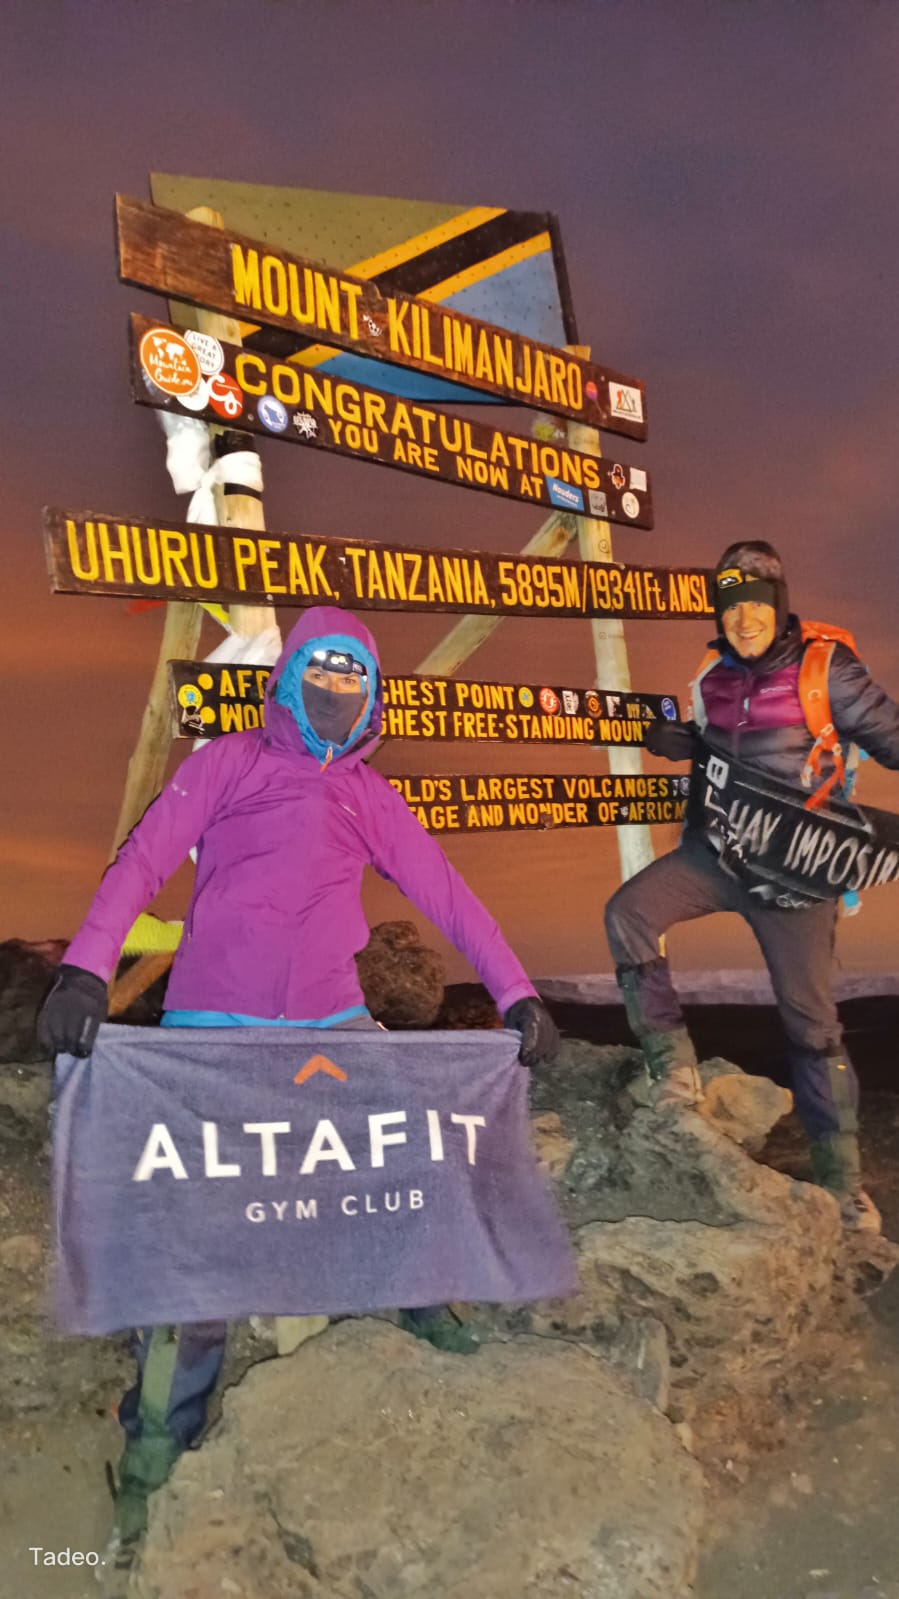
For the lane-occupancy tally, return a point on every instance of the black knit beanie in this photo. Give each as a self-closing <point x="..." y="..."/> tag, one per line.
<point x="751" y="570"/>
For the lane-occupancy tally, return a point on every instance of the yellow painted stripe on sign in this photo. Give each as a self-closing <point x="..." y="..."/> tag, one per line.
<point x="395" y="256"/>
<point x="494" y="264"/>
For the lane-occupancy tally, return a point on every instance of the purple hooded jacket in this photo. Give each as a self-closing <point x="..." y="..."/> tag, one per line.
<point x="275" y="917"/>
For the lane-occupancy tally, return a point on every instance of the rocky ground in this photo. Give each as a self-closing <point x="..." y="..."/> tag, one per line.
<point x="715" y="1412"/>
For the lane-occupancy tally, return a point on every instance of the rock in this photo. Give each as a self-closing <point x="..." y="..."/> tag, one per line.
<point x="552" y="1148"/>
<point x="677" y="1226"/>
<point x="24" y="1252"/>
<point x="745" y="1108"/>
<point x="370" y="1464"/>
<point x="26" y="972"/>
<point x="640" y="1346"/>
<point x="402" y="980"/>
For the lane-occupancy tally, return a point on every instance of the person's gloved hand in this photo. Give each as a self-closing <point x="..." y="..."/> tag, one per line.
<point x="539" y="1038"/>
<point x="674" y="741"/>
<point x="72" y="1012"/>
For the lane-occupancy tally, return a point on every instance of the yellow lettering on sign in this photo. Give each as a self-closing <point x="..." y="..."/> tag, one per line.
<point x="303" y="312"/>
<point x="244" y="364"/>
<point x="208" y="579"/>
<point x="397" y="311"/>
<point x="87" y="569"/>
<point x="274" y="285"/>
<point x="245" y="277"/>
<point x="174" y="550"/>
<point x="503" y="360"/>
<point x="118" y="552"/>
<point x="463" y="348"/>
<point x="148" y="571"/>
<point x="270" y="566"/>
<point x="394" y="569"/>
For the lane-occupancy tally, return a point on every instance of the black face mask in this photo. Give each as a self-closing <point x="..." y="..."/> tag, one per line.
<point x="332" y="715"/>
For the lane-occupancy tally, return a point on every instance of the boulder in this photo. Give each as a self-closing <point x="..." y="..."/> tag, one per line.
<point x="704" y="1276"/>
<point x="369" y="1464"/>
<point x="402" y="980"/>
<point x="26" y="972"/>
<point x="745" y="1108"/>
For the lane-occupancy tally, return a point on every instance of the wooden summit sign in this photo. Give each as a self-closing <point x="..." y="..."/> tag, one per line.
<point x="164" y="251"/>
<point x="262" y="395"/>
<point x="521" y="801"/>
<point x="210" y="698"/>
<point x="90" y="552"/>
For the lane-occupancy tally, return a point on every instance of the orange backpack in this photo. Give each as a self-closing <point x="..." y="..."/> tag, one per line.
<point x="820" y="639"/>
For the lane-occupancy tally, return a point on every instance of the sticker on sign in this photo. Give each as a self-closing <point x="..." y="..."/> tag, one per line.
<point x="625" y="402"/>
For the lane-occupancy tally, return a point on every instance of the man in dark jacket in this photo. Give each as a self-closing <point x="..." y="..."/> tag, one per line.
<point x="747" y="706"/>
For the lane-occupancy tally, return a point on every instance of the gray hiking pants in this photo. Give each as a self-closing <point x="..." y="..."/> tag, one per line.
<point x="798" y="949"/>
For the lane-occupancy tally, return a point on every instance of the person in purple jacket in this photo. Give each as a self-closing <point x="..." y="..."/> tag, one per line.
<point x="747" y="706"/>
<point x="284" y="820"/>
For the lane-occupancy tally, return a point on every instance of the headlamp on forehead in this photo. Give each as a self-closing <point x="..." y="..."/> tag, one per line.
<point x="338" y="661"/>
<point x="731" y="578"/>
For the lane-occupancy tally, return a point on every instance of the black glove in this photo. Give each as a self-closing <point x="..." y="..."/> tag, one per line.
<point x="674" y="741"/>
<point x="72" y="1012"/>
<point x="539" y="1038"/>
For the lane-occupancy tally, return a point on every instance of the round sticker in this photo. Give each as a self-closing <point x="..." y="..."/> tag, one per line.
<point x="669" y="709"/>
<point x="207" y="715"/>
<point x="630" y="505"/>
<point x="208" y="352"/>
<point x="593" y="704"/>
<point x="189" y="695"/>
<point x="169" y="361"/>
<point x="591" y="391"/>
<point x="271" y="413"/>
<point x="526" y="697"/>
<point x="225" y="396"/>
<point x="549" y="702"/>
<point x="198" y="399"/>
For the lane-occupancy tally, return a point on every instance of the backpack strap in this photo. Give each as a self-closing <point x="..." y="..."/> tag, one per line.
<point x="710" y="659"/>
<point x="814" y="697"/>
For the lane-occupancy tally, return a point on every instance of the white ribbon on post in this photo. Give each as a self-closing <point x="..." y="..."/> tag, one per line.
<point x="194" y="472"/>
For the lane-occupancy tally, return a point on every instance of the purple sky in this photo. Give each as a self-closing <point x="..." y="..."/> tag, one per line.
<point x="726" y="180"/>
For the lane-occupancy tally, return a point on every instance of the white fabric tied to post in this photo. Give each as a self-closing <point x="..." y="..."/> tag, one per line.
<point x="192" y="470"/>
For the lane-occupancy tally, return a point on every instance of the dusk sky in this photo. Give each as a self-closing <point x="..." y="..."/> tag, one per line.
<point x="726" y="178"/>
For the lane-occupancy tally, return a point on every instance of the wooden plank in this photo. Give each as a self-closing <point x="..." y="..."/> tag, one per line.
<point x="635" y="848"/>
<point x="466" y="636"/>
<point x="209" y="699"/>
<point x="271" y="398"/>
<point x="521" y="802"/>
<point x="164" y="251"/>
<point x="90" y="552"/>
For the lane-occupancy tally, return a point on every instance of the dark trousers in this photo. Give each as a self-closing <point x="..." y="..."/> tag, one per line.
<point x="798" y="949"/>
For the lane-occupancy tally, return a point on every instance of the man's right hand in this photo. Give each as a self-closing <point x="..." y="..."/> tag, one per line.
<point x="72" y="1012"/>
<point x="674" y="741"/>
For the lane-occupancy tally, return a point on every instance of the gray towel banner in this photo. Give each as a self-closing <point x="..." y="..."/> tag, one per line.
<point x="206" y="1174"/>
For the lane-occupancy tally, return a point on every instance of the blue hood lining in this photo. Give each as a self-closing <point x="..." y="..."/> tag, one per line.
<point x="289" y="691"/>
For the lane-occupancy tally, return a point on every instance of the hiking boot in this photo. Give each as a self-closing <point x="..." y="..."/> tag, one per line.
<point x="679" y="1089"/>
<point x="858" y="1212"/>
<point x="442" y="1328"/>
<point x="115" y="1568"/>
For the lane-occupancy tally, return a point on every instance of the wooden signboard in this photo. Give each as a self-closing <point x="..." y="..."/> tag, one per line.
<point x="91" y="552"/>
<point x="522" y="801"/>
<point x="270" y="397"/>
<point x="164" y="251"/>
<point x="209" y="699"/>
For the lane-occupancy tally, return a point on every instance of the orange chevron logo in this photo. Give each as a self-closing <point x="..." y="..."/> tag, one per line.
<point x="319" y="1063"/>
